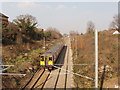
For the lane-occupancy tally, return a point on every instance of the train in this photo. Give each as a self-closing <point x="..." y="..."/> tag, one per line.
<point x="49" y="58"/>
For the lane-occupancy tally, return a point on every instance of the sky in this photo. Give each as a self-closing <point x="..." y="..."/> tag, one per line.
<point x="65" y="16"/>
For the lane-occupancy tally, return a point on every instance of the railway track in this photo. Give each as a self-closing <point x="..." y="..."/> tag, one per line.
<point x="34" y="79"/>
<point x="38" y="79"/>
<point x="56" y="78"/>
<point x="66" y="70"/>
<point x="56" y="73"/>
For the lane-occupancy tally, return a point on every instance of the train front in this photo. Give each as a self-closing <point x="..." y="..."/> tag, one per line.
<point x="50" y="61"/>
<point x="46" y="60"/>
<point x="42" y="61"/>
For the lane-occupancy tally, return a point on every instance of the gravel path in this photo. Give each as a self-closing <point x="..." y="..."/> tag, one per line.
<point x="68" y="56"/>
<point x="70" y="81"/>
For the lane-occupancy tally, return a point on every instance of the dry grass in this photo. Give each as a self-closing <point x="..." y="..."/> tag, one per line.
<point x="108" y="55"/>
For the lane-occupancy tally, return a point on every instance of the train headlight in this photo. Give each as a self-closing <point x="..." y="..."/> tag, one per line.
<point x="50" y="63"/>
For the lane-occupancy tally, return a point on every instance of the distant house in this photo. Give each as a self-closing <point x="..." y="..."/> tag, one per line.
<point x="3" y="19"/>
<point x="116" y="32"/>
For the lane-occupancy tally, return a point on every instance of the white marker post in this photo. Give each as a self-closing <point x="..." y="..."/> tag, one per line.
<point x="96" y="59"/>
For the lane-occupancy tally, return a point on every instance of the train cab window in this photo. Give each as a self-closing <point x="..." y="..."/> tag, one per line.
<point x="42" y="58"/>
<point x="50" y="58"/>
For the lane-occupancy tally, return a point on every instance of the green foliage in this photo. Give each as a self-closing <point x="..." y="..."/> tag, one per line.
<point x="114" y="46"/>
<point x="27" y="25"/>
<point x="9" y="38"/>
<point x="4" y="24"/>
<point x="24" y="30"/>
<point x="25" y="22"/>
<point x="36" y="52"/>
<point x="47" y="34"/>
<point x="38" y="35"/>
<point x="9" y="34"/>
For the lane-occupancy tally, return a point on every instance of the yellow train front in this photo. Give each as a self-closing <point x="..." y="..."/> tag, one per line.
<point x="48" y="59"/>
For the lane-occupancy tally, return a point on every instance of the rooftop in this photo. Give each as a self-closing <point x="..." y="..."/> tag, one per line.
<point x="1" y="14"/>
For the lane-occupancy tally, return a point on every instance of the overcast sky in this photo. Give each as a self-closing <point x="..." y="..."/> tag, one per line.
<point x="65" y="16"/>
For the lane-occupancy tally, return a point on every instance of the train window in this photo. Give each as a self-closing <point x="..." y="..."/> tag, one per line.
<point x="42" y="58"/>
<point x="50" y="58"/>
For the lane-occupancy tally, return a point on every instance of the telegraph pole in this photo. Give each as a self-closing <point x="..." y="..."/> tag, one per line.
<point x="76" y="46"/>
<point x="44" y="43"/>
<point x="96" y="59"/>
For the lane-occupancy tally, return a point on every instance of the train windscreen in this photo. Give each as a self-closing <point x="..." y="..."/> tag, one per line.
<point x="50" y="58"/>
<point x="42" y="58"/>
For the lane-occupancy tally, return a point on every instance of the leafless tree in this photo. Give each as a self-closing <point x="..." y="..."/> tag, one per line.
<point x="115" y="24"/>
<point x="73" y="33"/>
<point x="90" y="27"/>
<point x="54" y="32"/>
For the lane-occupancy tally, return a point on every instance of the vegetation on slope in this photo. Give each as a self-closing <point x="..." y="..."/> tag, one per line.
<point x="22" y="44"/>
<point x="84" y="53"/>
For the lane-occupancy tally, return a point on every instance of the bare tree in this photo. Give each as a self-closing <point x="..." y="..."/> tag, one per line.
<point x="54" y="33"/>
<point x="73" y="33"/>
<point x="115" y="24"/>
<point x="90" y="27"/>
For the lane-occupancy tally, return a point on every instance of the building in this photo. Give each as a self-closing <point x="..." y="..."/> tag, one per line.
<point x="116" y="32"/>
<point x="4" y="20"/>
